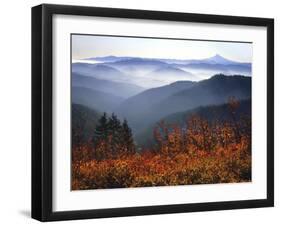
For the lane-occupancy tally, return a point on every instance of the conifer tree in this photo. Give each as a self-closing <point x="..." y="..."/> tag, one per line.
<point x="101" y="131"/>
<point x="100" y="138"/>
<point x="112" y="138"/>
<point x="114" y="133"/>
<point x="127" y="137"/>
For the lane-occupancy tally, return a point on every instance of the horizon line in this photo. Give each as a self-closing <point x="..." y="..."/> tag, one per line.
<point x="154" y="58"/>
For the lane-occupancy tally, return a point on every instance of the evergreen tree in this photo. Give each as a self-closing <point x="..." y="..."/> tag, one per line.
<point x="114" y="133"/>
<point x="127" y="138"/>
<point x="101" y="131"/>
<point x="100" y="138"/>
<point x="112" y="138"/>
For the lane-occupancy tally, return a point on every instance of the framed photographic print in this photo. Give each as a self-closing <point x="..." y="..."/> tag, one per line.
<point x="145" y="112"/>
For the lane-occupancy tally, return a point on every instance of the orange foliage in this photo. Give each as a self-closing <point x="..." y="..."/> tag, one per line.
<point x="200" y="153"/>
<point x="148" y="169"/>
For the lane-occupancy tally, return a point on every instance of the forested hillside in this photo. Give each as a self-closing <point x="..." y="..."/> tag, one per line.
<point x="199" y="152"/>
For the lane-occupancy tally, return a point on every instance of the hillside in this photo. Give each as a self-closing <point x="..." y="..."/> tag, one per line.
<point x="94" y="99"/>
<point x="84" y="121"/>
<point x="215" y="90"/>
<point x="211" y="113"/>
<point x="144" y="101"/>
<point x="149" y="106"/>
<point x="121" y="89"/>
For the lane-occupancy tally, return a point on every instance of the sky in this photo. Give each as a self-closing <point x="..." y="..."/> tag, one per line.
<point x="86" y="46"/>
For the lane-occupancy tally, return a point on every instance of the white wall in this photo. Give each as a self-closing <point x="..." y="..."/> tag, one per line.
<point x="15" y="93"/>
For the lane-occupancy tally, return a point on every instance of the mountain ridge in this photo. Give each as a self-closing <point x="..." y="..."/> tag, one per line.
<point x="121" y="89"/>
<point x="217" y="58"/>
<point x="215" y="90"/>
<point x="103" y="102"/>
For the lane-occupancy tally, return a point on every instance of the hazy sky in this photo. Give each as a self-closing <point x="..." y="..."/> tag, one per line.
<point x="85" y="46"/>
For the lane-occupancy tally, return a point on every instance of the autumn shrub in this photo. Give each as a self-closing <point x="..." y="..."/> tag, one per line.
<point x="223" y="166"/>
<point x="200" y="152"/>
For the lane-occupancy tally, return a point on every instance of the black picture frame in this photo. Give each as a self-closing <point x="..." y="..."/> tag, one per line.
<point x="42" y="107"/>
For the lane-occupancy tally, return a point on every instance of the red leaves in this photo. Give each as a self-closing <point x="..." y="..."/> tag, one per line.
<point x="200" y="153"/>
<point x="151" y="169"/>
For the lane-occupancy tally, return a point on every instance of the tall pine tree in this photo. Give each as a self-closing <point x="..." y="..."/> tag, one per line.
<point x="101" y="131"/>
<point x="114" y="133"/>
<point x="127" y="138"/>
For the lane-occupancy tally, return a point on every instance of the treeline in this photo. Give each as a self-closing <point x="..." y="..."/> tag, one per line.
<point x="113" y="139"/>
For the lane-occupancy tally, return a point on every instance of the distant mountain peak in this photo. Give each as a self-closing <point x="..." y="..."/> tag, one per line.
<point x="218" y="59"/>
